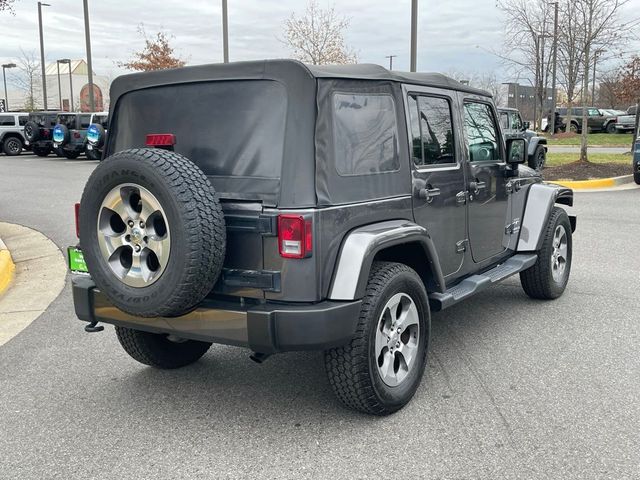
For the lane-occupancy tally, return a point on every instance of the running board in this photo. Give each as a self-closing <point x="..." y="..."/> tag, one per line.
<point x="477" y="283"/>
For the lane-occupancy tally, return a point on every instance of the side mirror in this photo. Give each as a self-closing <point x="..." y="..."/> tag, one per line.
<point x="516" y="151"/>
<point x="526" y="125"/>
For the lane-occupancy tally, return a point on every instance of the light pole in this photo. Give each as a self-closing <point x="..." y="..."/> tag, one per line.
<point x="42" y="66"/>
<point x="390" y="57"/>
<point x="59" y="89"/>
<point x="554" y="98"/>
<point x="414" y="34"/>
<point x="87" y="35"/>
<point x="4" y="77"/>
<point x="225" y="33"/>
<point x="68" y="63"/>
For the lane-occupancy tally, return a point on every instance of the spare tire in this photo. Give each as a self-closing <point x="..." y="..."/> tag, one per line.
<point x="31" y="131"/>
<point x="60" y="135"/>
<point x="152" y="232"/>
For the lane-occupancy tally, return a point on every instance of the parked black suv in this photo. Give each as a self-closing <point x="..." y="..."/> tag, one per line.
<point x="70" y="133"/>
<point x="513" y="127"/>
<point x="279" y="206"/>
<point x="38" y="131"/>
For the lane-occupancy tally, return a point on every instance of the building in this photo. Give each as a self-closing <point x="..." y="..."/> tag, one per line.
<point x="522" y="97"/>
<point x="71" y="92"/>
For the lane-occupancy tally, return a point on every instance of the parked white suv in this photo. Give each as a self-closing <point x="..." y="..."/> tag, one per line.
<point x="12" y="132"/>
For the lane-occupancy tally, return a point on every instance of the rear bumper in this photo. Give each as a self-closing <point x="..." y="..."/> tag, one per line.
<point x="265" y="328"/>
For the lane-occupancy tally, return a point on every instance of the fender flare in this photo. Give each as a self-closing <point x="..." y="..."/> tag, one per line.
<point x="541" y="198"/>
<point x="533" y="144"/>
<point x="362" y="244"/>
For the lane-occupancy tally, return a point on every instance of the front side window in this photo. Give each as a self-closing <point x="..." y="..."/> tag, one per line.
<point x="365" y="134"/>
<point x="482" y="134"/>
<point x="516" y="121"/>
<point x="7" y="121"/>
<point x="594" y="112"/>
<point x="432" y="131"/>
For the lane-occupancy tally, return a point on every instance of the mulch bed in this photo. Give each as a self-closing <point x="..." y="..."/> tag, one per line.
<point x="586" y="171"/>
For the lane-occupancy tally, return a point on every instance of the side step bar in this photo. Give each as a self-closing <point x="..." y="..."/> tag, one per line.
<point x="477" y="283"/>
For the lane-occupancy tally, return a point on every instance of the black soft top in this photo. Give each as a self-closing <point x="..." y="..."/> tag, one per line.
<point x="281" y="155"/>
<point x="288" y="71"/>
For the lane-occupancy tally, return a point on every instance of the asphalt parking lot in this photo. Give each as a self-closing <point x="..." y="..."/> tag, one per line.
<point x="515" y="388"/>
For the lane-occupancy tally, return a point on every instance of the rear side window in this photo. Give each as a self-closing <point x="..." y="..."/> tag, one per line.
<point x="7" y="121"/>
<point x="432" y="131"/>
<point x="504" y="120"/>
<point x="365" y="134"/>
<point x="85" y="121"/>
<point x="22" y="121"/>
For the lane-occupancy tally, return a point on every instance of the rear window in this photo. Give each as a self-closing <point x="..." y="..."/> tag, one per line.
<point x="85" y="121"/>
<point x="68" y="120"/>
<point x="227" y="128"/>
<point x="365" y="133"/>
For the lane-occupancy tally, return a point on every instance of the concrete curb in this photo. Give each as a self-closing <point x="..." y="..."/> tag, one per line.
<point x="7" y="267"/>
<point x="594" y="184"/>
<point x="40" y="275"/>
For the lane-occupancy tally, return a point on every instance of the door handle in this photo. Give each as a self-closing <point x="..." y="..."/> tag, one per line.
<point x="428" y="194"/>
<point x="476" y="186"/>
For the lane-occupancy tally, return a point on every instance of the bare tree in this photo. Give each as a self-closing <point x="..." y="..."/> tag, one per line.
<point x="600" y="25"/>
<point x="318" y="36"/>
<point x="158" y="54"/>
<point x="29" y="80"/>
<point x="528" y="43"/>
<point x="630" y="88"/>
<point x="7" y="5"/>
<point x="609" y="88"/>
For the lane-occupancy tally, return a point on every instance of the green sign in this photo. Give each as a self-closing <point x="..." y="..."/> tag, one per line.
<point x="76" y="260"/>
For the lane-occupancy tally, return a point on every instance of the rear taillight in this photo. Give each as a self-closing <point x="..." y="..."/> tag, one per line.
<point x="160" y="140"/>
<point x="295" y="236"/>
<point x="77" y="215"/>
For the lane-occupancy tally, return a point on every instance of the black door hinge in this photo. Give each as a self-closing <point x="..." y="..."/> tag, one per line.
<point x="461" y="246"/>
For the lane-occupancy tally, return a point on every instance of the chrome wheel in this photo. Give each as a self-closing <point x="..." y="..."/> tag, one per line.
<point x="397" y="338"/>
<point x="133" y="234"/>
<point x="559" y="254"/>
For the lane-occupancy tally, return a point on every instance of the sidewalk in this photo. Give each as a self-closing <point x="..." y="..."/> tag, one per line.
<point x="38" y="271"/>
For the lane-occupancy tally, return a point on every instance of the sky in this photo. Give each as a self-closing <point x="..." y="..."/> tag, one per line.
<point x="453" y="35"/>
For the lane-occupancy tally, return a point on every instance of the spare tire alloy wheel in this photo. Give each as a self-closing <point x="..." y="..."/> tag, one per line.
<point x="397" y="337"/>
<point x="134" y="235"/>
<point x="152" y="232"/>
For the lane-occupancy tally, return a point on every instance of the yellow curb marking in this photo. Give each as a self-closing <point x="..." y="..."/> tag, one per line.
<point x="6" y="270"/>
<point x="598" y="183"/>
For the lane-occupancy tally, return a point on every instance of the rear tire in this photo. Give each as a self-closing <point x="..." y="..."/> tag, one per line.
<point x="392" y="332"/>
<point x="12" y="146"/>
<point x="547" y="279"/>
<point x="156" y="350"/>
<point x="93" y="154"/>
<point x="636" y="173"/>
<point x="71" y="154"/>
<point x="41" y="151"/>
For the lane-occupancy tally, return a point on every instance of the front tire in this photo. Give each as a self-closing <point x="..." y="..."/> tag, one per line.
<point x="636" y="173"/>
<point x="547" y="279"/>
<point x="379" y="371"/>
<point x="611" y="128"/>
<point x="159" y="351"/>
<point x="539" y="158"/>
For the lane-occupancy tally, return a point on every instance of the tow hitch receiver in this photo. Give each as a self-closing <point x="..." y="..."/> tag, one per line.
<point x="93" y="327"/>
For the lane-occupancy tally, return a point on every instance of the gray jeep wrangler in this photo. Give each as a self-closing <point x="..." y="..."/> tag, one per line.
<point x="513" y="127"/>
<point x="298" y="207"/>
